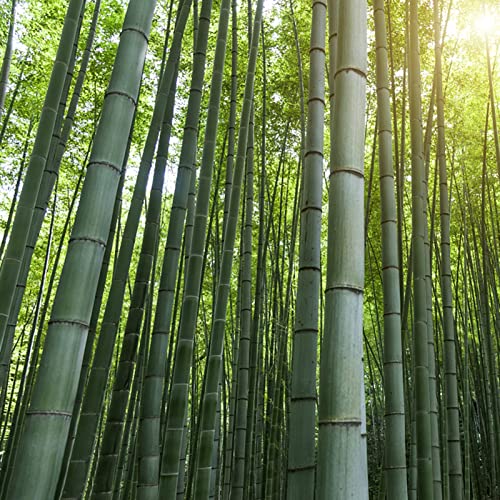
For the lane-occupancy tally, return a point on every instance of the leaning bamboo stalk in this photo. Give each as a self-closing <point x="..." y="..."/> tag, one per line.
<point x="16" y="190"/>
<point x="5" y="70"/>
<point x="47" y="422"/>
<point x="9" y="271"/>
<point x="44" y="193"/>
<point x="242" y="367"/>
<point x="93" y="400"/>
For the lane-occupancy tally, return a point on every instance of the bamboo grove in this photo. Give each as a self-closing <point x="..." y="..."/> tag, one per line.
<point x="250" y="250"/>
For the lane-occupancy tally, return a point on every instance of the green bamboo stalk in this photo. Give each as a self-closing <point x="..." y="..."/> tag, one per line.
<point x="177" y="407"/>
<point x="301" y="445"/>
<point x="16" y="190"/>
<point x="113" y="239"/>
<point x="399" y="162"/>
<point x="148" y="446"/>
<point x="421" y="355"/>
<point x="51" y="171"/>
<point x="109" y="453"/>
<point x="242" y="387"/>
<point x="12" y="101"/>
<point x="93" y="400"/>
<point x="127" y="460"/>
<point x="485" y="337"/>
<point x="264" y="228"/>
<point x="229" y="434"/>
<point x="450" y="368"/>
<point x="5" y="70"/>
<point x="24" y="382"/>
<point x="31" y="361"/>
<point x="47" y="422"/>
<point x="9" y="271"/>
<point x="232" y="113"/>
<point x="342" y="455"/>
<point x="466" y="383"/>
<point x="111" y="442"/>
<point x="395" y="450"/>
<point x="42" y="200"/>
<point x="428" y="243"/>
<point x="213" y="375"/>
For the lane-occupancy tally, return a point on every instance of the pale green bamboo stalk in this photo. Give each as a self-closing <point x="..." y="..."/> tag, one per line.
<point x="127" y="460"/>
<point x="434" y="408"/>
<point x="47" y="421"/>
<point x="342" y="454"/>
<point x="177" y="408"/>
<point x="105" y="473"/>
<point x="229" y="435"/>
<point x="172" y="452"/>
<point x="395" y="450"/>
<point x="89" y="347"/>
<point x="111" y="444"/>
<point x="249" y="483"/>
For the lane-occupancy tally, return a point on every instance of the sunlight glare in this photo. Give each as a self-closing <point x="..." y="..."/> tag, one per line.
<point x="485" y="24"/>
<point x="268" y="5"/>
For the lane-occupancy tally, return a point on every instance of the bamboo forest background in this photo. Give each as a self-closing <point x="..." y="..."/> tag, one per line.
<point x="249" y="249"/>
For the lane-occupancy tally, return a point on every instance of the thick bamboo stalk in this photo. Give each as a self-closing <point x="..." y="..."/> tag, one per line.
<point x="93" y="400"/>
<point x="47" y="422"/>
<point x="342" y="453"/>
